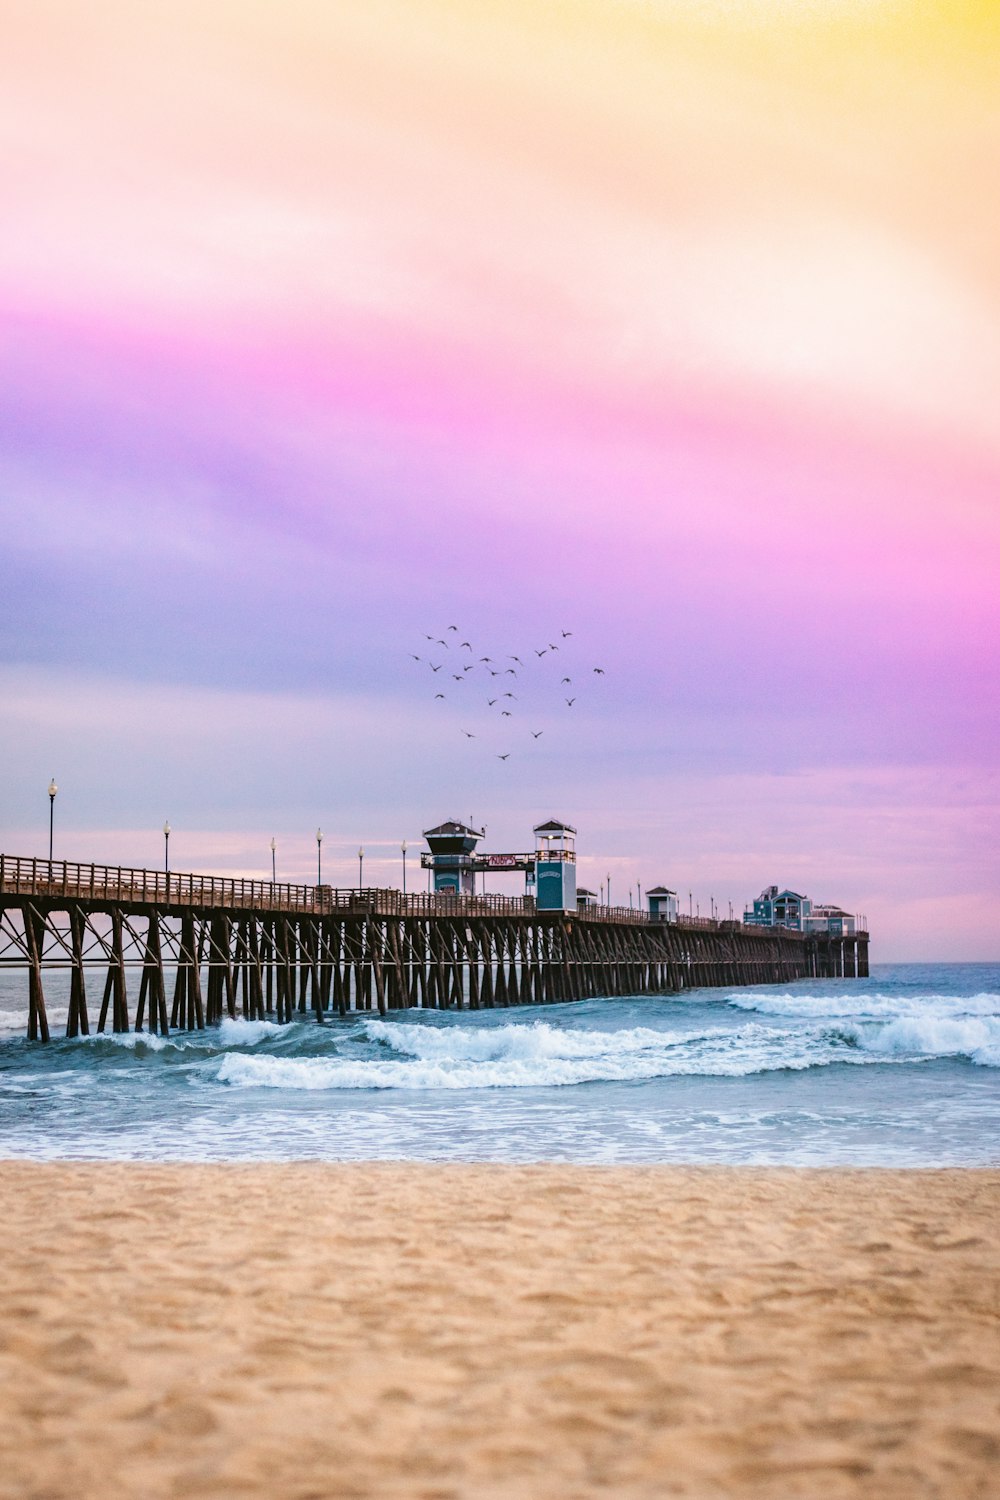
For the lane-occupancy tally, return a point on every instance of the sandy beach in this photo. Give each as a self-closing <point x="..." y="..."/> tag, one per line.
<point x="437" y="1332"/>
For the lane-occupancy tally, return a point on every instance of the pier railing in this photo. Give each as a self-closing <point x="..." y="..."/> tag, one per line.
<point x="55" y="880"/>
<point x="63" y="879"/>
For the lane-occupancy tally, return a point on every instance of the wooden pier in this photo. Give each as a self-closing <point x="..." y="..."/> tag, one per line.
<point x="203" y="948"/>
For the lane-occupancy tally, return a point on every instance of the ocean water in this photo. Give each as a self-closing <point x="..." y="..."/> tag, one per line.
<point x="902" y="1069"/>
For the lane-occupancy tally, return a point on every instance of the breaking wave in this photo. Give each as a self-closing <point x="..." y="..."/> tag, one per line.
<point x="537" y="1055"/>
<point x="892" y="1026"/>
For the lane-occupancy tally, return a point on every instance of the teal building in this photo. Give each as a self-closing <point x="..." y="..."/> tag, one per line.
<point x="555" y="866"/>
<point x="662" y="903"/>
<point x="774" y="908"/>
<point x="451" y="859"/>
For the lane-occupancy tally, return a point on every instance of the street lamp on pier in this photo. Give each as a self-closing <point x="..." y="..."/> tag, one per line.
<point x="690" y="907"/>
<point x="52" y="812"/>
<point x="274" y="875"/>
<point x="319" y="856"/>
<point x="166" y="847"/>
<point x="402" y="849"/>
<point x="609" y="887"/>
<point x="361" y="866"/>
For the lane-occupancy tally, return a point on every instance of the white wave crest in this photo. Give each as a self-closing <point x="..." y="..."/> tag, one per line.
<point x="142" y="1041"/>
<point x="229" y="1033"/>
<point x="974" y="1037"/>
<point x="862" y="1007"/>
<point x="534" y="1041"/>
<point x="536" y="1056"/>
<point x="240" y="1033"/>
<point x="14" y="1023"/>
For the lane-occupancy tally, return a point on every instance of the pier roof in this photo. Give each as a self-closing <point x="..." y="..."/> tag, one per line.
<point x="453" y="829"/>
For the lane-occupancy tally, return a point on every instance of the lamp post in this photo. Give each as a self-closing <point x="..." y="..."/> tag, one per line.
<point x="609" y="887"/>
<point x="402" y="849"/>
<point x="52" y="812"/>
<point x="361" y="866"/>
<point x="274" y="874"/>
<point x="319" y="856"/>
<point x="166" y="847"/>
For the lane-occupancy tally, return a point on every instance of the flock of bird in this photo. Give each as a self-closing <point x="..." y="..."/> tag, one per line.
<point x="534" y="684"/>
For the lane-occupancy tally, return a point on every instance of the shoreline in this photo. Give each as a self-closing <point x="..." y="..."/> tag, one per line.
<point x="449" y="1330"/>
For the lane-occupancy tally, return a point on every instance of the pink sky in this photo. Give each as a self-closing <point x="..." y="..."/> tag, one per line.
<point x="676" y="324"/>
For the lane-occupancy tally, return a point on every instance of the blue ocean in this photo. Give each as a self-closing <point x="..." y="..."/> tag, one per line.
<point x="902" y="1070"/>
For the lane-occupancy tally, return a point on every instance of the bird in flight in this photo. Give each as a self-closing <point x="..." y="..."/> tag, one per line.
<point x="538" y="735"/>
<point x="511" y="695"/>
<point x="491" y="701"/>
<point x="510" y="672"/>
<point x="458" y="676"/>
<point x="415" y="657"/>
<point x="504" y="757"/>
<point x="565" y="633"/>
<point x="567" y="679"/>
<point x="466" y="643"/>
<point x="470" y="668"/>
<point x="505" y="713"/>
<point x="433" y="667"/>
<point x="494" y="673"/>
<point x="486" y="658"/>
<point x="553" y="648"/>
<point x="517" y="659"/>
<point x="571" y="701"/>
<point x="439" y="695"/>
<point x="599" y="671"/>
<point x="442" y="643"/>
<point x="428" y="637"/>
<point x="453" y="627"/>
<point x="539" y="653"/>
<point x="468" y="736"/>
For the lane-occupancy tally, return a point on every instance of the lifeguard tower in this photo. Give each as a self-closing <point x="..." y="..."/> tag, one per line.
<point x="555" y="866"/>
<point x="452" y="857"/>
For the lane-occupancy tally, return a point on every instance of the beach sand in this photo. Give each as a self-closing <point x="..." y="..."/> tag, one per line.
<point x="446" y="1331"/>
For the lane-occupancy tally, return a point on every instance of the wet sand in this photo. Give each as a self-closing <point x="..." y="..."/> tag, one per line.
<point x="436" y="1332"/>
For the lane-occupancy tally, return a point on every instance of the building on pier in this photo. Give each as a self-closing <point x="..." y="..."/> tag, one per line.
<point x="451" y="860"/>
<point x="832" y="919"/>
<point x="784" y="908"/>
<point x="555" y="866"/>
<point x="549" y="869"/>
<point x="663" y="903"/>
<point x="774" y="908"/>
